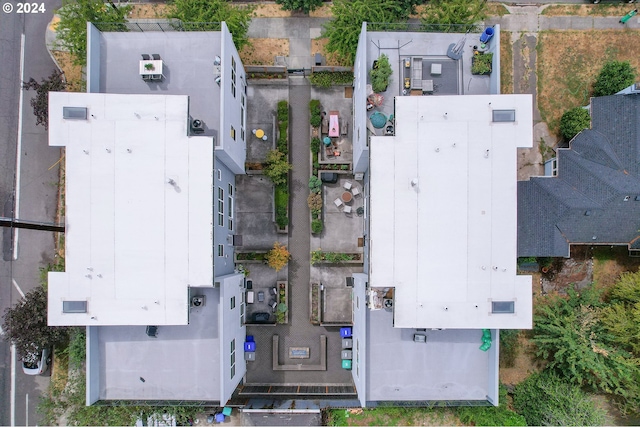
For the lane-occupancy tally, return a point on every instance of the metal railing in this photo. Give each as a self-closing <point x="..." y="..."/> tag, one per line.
<point x="424" y="28"/>
<point x="160" y="25"/>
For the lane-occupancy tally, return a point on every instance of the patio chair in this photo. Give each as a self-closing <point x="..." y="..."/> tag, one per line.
<point x="347" y="209"/>
<point x="274" y="305"/>
<point x="338" y="202"/>
<point x="347" y="185"/>
<point x="156" y="56"/>
<point x="355" y="191"/>
<point x="145" y="57"/>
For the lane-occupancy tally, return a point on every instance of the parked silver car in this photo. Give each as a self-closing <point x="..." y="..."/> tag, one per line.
<point x="37" y="363"/>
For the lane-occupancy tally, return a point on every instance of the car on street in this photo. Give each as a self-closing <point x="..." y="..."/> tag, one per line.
<point x="37" y="363"/>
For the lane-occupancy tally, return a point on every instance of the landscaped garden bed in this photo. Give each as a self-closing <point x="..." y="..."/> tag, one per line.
<point x="323" y="257"/>
<point x="253" y="257"/>
<point x="282" y="309"/>
<point x="314" y="307"/>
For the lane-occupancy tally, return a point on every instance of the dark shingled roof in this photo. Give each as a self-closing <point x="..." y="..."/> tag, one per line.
<point x="593" y="198"/>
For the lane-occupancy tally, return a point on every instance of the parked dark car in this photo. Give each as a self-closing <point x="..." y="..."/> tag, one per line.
<point x="329" y="177"/>
<point x="261" y="317"/>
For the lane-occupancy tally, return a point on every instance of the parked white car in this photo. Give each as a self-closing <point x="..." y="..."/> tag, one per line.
<point x="38" y="363"/>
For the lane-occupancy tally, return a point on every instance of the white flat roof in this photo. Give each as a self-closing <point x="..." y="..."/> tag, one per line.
<point x="443" y="211"/>
<point x="138" y="212"/>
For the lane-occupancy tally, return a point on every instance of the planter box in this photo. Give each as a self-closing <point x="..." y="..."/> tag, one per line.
<point x="351" y="261"/>
<point x="474" y="59"/>
<point x="249" y="261"/>
<point x="315" y="298"/>
<point x="283" y="284"/>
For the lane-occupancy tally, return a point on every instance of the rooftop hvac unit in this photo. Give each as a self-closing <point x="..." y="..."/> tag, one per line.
<point x="197" y="126"/>
<point x="197" y="301"/>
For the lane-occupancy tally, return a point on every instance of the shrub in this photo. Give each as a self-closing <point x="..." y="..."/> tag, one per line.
<point x="459" y="16"/>
<point x="380" y="74"/>
<point x="281" y="217"/>
<point x="316" y="226"/>
<point x="282" y="196"/>
<point x="315" y="144"/>
<point x="573" y="122"/>
<point x="481" y="64"/>
<point x="71" y="30"/>
<point x="491" y="415"/>
<point x="508" y="346"/>
<point x="344" y="29"/>
<point x="315" y="184"/>
<point x="278" y="257"/>
<point x="277" y="167"/>
<point x="237" y="18"/>
<point x="614" y="76"/>
<point x="315" y="109"/>
<point x="332" y="257"/>
<point x="283" y="137"/>
<point x="283" y="111"/>
<point x="330" y="78"/>
<point x="314" y="201"/>
<point x="305" y="6"/>
<point x="544" y="399"/>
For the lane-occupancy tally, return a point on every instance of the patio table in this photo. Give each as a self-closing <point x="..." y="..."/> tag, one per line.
<point x="346" y="196"/>
<point x="334" y="128"/>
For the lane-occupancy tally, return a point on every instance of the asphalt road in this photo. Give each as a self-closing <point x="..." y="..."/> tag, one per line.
<point x="36" y="193"/>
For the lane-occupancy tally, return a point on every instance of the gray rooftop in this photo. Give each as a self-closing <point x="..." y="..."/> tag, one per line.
<point x="450" y="366"/>
<point x="166" y="363"/>
<point x="187" y="66"/>
<point x="594" y="199"/>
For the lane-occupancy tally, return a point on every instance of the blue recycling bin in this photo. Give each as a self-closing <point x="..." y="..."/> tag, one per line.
<point x="249" y="346"/>
<point x="345" y="332"/>
<point x="486" y="35"/>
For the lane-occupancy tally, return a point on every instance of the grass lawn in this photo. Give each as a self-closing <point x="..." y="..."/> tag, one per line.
<point x="392" y="417"/>
<point x="568" y="63"/>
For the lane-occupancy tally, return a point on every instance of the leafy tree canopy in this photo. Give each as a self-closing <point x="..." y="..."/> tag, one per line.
<point x="453" y="15"/>
<point x="344" y="29"/>
<point x="54" y="83"/>
<point x="546" y="400"/>
<point x="25" y="324"/>
<point x="614" y="76"/>
<point x="71" y="30"/>
<point x="278" y="257"/>
<point x="277" y="167"/>
<point x="571" y="335"/>
<point x="573" y="122"/>
<point x="304" y="6"/>
<point x="237" y="18"/>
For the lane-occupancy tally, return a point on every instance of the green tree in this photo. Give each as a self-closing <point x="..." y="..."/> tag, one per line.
<point x="569" y="334"/>
<point x="54" y="83"/>
<point x="453" y="15"/>
<point x="614" y="76"/>
<point x="237" y="18"/>
<point x="25" y="324"/>
<point x="277" y="167"/>
<point x="546" y="400"/>
<point x="573" y="122"/>
<point x="278" y="257"/>
<point x="344" y="29"/>
<point x="380" y="74"/>
<point x="71" y="30"/>
<point x="622" y="316"/>
<point x="304" y="6"/>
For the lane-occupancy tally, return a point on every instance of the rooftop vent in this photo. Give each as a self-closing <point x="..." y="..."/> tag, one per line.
<point x="197" y="301"/>
<point x="197" y="126"/>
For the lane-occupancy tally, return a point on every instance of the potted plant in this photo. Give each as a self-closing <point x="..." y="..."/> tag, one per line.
<point x="149" y="67"/>
<point x="481" y="64"/>
<point x="380" y="74"/>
